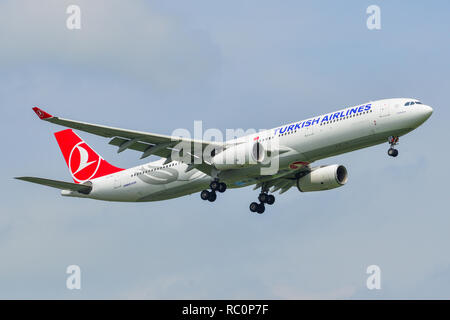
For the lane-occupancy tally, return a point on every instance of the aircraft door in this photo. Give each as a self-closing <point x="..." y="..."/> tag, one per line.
<point x="309" y="131"/>
<point x="385" y="110"/>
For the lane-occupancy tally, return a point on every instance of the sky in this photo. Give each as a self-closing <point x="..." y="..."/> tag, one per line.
<point x="158" y="66"/>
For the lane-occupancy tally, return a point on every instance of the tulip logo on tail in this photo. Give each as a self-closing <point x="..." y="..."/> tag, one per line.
<point x="83" y="162"/>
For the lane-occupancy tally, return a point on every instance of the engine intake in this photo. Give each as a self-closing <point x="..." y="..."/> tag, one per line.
<point x="323" y="178"/>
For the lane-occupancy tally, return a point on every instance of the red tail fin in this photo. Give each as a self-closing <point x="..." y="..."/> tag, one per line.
<point x="83" y="162"/>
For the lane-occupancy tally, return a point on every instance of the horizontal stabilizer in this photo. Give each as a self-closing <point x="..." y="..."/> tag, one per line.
<point x="82" y="188"/>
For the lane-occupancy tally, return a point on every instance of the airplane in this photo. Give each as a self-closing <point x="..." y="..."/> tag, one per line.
<point x="235" y="163"/>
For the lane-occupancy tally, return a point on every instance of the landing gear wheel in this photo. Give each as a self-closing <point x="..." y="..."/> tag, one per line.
<point x="393" y="140"/>
<point x="393" y="152"/>
<point x="204" y="195"/>
<point x="214" y="185"/>
<point x="212" y="196"/>
<point x="263" y="197"/>
<point x="270" y="199"/>
<point x="254" y="206"/>
<point x="261" y="208"/>
<point x="222" y="187"/>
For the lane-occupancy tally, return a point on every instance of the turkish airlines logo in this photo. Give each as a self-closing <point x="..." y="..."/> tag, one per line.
<point x="83" y="162"/>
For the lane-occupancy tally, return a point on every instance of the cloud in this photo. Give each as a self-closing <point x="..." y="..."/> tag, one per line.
<point x="134" y="41"/>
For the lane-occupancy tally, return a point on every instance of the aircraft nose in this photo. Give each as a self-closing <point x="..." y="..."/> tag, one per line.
<point x="423" y="112"/>
<point x="427" y="111"/>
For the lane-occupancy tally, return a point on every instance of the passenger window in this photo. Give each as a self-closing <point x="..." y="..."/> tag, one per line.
<point x="407" y="104"/>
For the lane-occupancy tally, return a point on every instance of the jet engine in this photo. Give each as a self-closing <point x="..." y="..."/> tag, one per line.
<point x="323" y="178"/>
<point x="240" y="156"/>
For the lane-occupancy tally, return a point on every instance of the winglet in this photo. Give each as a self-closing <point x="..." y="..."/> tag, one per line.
<point x="42" y="114"/>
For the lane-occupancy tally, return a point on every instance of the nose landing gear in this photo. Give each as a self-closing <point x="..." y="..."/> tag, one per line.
<point x="393" y="140"/>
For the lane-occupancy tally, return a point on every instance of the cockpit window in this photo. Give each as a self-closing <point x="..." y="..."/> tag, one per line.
<point x="410" y="103"/>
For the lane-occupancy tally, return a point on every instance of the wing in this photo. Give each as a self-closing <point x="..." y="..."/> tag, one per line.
<point x="145" y="142"/>
<point x="284" y="183"/>
<point x="58" y="184"/>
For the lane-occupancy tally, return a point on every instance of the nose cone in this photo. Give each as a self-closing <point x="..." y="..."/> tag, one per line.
<point x="426" y="111"/>
<point x="421" y="113"/>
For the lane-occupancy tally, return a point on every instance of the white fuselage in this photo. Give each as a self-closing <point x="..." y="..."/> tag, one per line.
<point x="307" y="141"/>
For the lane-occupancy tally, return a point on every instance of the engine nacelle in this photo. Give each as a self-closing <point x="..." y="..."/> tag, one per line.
<point x="240" y="156"/>
<point x="323" y="178"/>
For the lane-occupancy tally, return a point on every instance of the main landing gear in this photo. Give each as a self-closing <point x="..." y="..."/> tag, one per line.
<point x="263" y="198"/>
<point x="215" y="185"/>
<point x="393" y="140"/>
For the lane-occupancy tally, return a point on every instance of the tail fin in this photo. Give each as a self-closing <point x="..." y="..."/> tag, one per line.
<point x="83" y="162"/>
